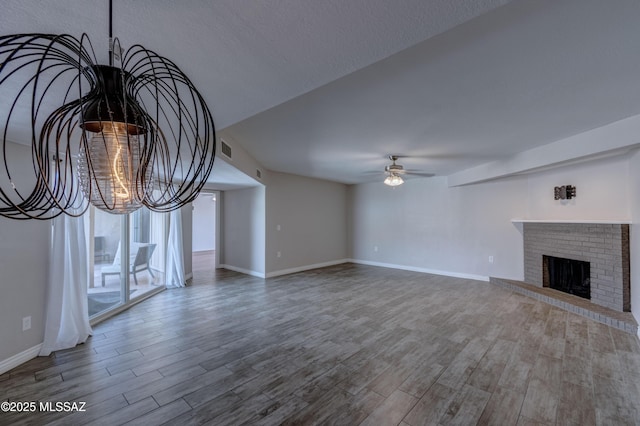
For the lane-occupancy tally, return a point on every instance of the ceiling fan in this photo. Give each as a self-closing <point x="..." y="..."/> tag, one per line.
<point x="396" y="171"/>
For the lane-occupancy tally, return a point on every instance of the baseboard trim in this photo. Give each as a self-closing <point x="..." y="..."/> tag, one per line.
<point x="358" y="261"/>
<point x="306" y="268"/>
<point x="243" y="271"/>
<point x="21" y="358"/>
<point x="423" y="270"/>
<point x="188" y="276"/>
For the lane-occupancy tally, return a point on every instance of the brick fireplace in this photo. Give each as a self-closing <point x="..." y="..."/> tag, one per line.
<point x="605" y="246"/>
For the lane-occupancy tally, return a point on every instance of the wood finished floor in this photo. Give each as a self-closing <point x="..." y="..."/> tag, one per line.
<point x="348" y="345"/>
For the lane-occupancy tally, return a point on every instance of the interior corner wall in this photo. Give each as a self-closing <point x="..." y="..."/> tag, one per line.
<point x="187" y="238"/>
<point x="243" y="230"/>
<point x="350" y="218"/>
<point x="24" y="258"/>
<point x="634" y="198"/>
<point x="306" y="223"/>
<point x="427" y="225"/>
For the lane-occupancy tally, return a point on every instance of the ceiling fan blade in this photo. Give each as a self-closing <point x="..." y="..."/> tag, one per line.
<point x="420" y="174"/>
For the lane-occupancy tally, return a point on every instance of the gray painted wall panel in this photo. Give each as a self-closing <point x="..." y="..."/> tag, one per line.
<point x="312" y="216"/>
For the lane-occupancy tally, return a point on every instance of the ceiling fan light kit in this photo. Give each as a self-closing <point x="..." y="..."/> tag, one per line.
<point x="116" y="136"/>
<point x="393" y="180"/>
<point x="394" y="171"/>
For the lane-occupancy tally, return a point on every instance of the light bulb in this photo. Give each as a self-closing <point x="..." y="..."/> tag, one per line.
<point x="393" y="180"/>
<point x="113" y="173"/>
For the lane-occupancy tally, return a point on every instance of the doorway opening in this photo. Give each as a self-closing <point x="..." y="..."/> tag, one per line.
<point x="206" y="231"/>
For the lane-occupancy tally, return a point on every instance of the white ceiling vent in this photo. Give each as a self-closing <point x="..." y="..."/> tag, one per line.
<point x="226" y="149"/>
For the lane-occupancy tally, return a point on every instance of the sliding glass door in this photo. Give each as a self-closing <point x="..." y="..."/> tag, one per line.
<point x="147" y="246"/>
<point x="126" y="254"/>
<point x="107" y="272"/>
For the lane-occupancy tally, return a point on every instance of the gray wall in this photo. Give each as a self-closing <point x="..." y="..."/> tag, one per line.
<point x="603" y="188"/>
<point x="243" y="229"/>
<point x="24" y="257"/>
<point x="425" y="225"/>
<point x="634" y="196"/>
<point x="312" y="215"/>
<point x="187" y="218"/>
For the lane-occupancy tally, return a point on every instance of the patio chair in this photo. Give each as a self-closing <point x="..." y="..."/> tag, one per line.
<point x="139" y="258"/>
<point x="100" y="252"/>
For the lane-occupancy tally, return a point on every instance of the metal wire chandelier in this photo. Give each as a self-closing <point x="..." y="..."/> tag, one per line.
<point x="116" y="136"/>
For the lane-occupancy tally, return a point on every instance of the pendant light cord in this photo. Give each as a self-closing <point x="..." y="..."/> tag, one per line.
<point x="111" y="33"/>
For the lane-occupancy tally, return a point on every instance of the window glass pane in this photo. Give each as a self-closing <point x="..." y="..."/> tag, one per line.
<point x="147" y="255"/>
<point x="106" y="281"/>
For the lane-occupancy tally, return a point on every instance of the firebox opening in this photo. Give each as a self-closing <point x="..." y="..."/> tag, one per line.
<point x="567" y="275"/>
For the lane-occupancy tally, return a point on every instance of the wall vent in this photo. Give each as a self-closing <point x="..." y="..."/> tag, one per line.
<point x="259" y="174"/>
<point x="226" y="149"/>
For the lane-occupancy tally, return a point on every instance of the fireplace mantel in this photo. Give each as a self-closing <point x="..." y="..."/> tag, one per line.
<point x="585" y="221"/>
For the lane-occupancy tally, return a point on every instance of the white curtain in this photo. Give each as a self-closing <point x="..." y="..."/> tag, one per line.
<point x="67" y="317"/>
<point x="175" y="253"/>
<point x="158" y="235"/>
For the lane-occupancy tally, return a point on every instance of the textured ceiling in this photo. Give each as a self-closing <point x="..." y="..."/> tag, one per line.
<point x="329" y="88"/>
<point x="526" y="74"/>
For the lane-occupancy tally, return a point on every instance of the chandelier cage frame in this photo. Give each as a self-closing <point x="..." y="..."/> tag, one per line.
<point x="146" y="107"/>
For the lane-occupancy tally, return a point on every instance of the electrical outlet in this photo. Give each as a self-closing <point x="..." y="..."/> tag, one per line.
<point x="26" y="323"/>
<point x="490" y="259"/>
<point x="279" y="254"/>
<point x="278" y="227"/>
<point x="375" y="248"/>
